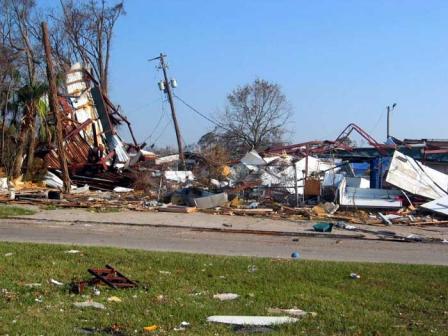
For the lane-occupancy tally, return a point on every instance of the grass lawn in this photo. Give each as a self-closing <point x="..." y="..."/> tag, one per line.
<point x="9" y="210"/>
<point x="388" y="299"/>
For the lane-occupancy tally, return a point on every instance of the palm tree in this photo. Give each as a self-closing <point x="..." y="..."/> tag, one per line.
<point x="28" y="98"/>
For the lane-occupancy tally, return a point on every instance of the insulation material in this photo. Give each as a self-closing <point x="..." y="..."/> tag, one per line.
<point x="416" y="178"/>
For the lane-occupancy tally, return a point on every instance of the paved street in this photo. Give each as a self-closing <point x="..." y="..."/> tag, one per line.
<point x="194" y="241"/>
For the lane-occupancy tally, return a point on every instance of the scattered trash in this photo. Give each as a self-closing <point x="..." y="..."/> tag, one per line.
<point x="89" y="304"/>
<point x="96" y="291"/>
<point x="295" y="255"/>
<point x="72" y="251"/>
<point x="122" y="190"/>
<point x="57" y="283"/>
<point x="251" y="320"/>
<point x="9" y="254"/>
<point x="113" y="299"/>
<point x="33" y="285"/>
<point x="251" y="268"/>
<point x="108" y="275"/>
<point x="165" y="272"/>
<point x="253" y="205"/>
<point x="151" y="328"/>
<point x="355" y="276"/>
<point x="226" y="296"/>
<point x="182" y="326"/>
<point x="291" y="311"/>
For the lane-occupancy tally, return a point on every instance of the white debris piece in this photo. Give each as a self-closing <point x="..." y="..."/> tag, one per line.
<point x="3" y="184"/>
<point x="122" y="190"/>
<point x="439" y="205"/>
<point x="368" y="198"/>
<point x="211" y="201"/>
<point x="89" y="304"/>
<point x="413" y="176"/>
<point x="72" y="251"/>
<point x="252" y="159"/>
<point x="167" y="159"/>
<point x="182" y="326"/>
<point x="180" y="176"/>
<point x="53" y="181"/>
<point x="57" y="283"/>
<point x="226" y="296"/>
<point x="291" y="311"/>
<point x="251" y="320"/>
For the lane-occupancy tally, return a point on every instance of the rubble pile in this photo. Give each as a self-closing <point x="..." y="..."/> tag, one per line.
<point x="400" y="182"/>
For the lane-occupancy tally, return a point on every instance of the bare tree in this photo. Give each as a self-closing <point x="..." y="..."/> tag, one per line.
<point x="256" y="116"/>
<point x="89" y="27"/>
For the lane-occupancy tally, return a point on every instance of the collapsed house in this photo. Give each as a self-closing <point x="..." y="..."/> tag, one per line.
<point x="96" y="155"/>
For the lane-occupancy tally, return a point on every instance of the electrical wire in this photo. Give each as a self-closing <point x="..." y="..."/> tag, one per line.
<point x="199" y="113"/>
<point x="159" y="121"/>
<point x="163" y="131"/>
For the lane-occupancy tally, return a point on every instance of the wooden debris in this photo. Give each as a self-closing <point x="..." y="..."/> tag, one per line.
<point x="178" y="209"/>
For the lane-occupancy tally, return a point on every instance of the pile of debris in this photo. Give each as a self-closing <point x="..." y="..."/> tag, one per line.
<point x="380" y="184"/>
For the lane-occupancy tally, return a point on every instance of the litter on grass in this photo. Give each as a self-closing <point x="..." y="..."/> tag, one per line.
<point x="89" y="304"/>
<point x="251" y="320"/>
<point x="355" y="276"/>
<point x="226" y="296"/>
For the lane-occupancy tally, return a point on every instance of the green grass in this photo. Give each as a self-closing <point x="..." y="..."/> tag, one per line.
<point x="389" y="299"/>
<point x="9" y="211"/>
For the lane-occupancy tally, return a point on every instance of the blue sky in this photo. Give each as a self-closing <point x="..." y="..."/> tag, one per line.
<point x="336" y="61"/>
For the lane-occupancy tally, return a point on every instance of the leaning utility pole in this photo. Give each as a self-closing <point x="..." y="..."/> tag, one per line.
<point x="166" y="87"/>
<point x="54" y="107"/>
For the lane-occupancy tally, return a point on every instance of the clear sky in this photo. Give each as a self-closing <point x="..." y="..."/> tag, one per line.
<point x="337" y="62"/>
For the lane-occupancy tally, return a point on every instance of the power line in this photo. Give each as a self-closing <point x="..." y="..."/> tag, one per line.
<point x="163" y="131"/>
<point x="158" y="122"/>
<point x="196" y="111"/>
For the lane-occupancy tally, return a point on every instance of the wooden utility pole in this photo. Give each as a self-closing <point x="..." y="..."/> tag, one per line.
<point x="169" y="93"/>
<point x="54" y="108"/>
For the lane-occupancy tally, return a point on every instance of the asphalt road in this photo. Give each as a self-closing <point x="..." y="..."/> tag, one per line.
<point x="193" y="241"/>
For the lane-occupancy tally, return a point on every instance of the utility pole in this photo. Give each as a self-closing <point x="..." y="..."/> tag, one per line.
<point x="389" y="110"/>
<point x="166" y="86"/>
<point x="54" y="107"/>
